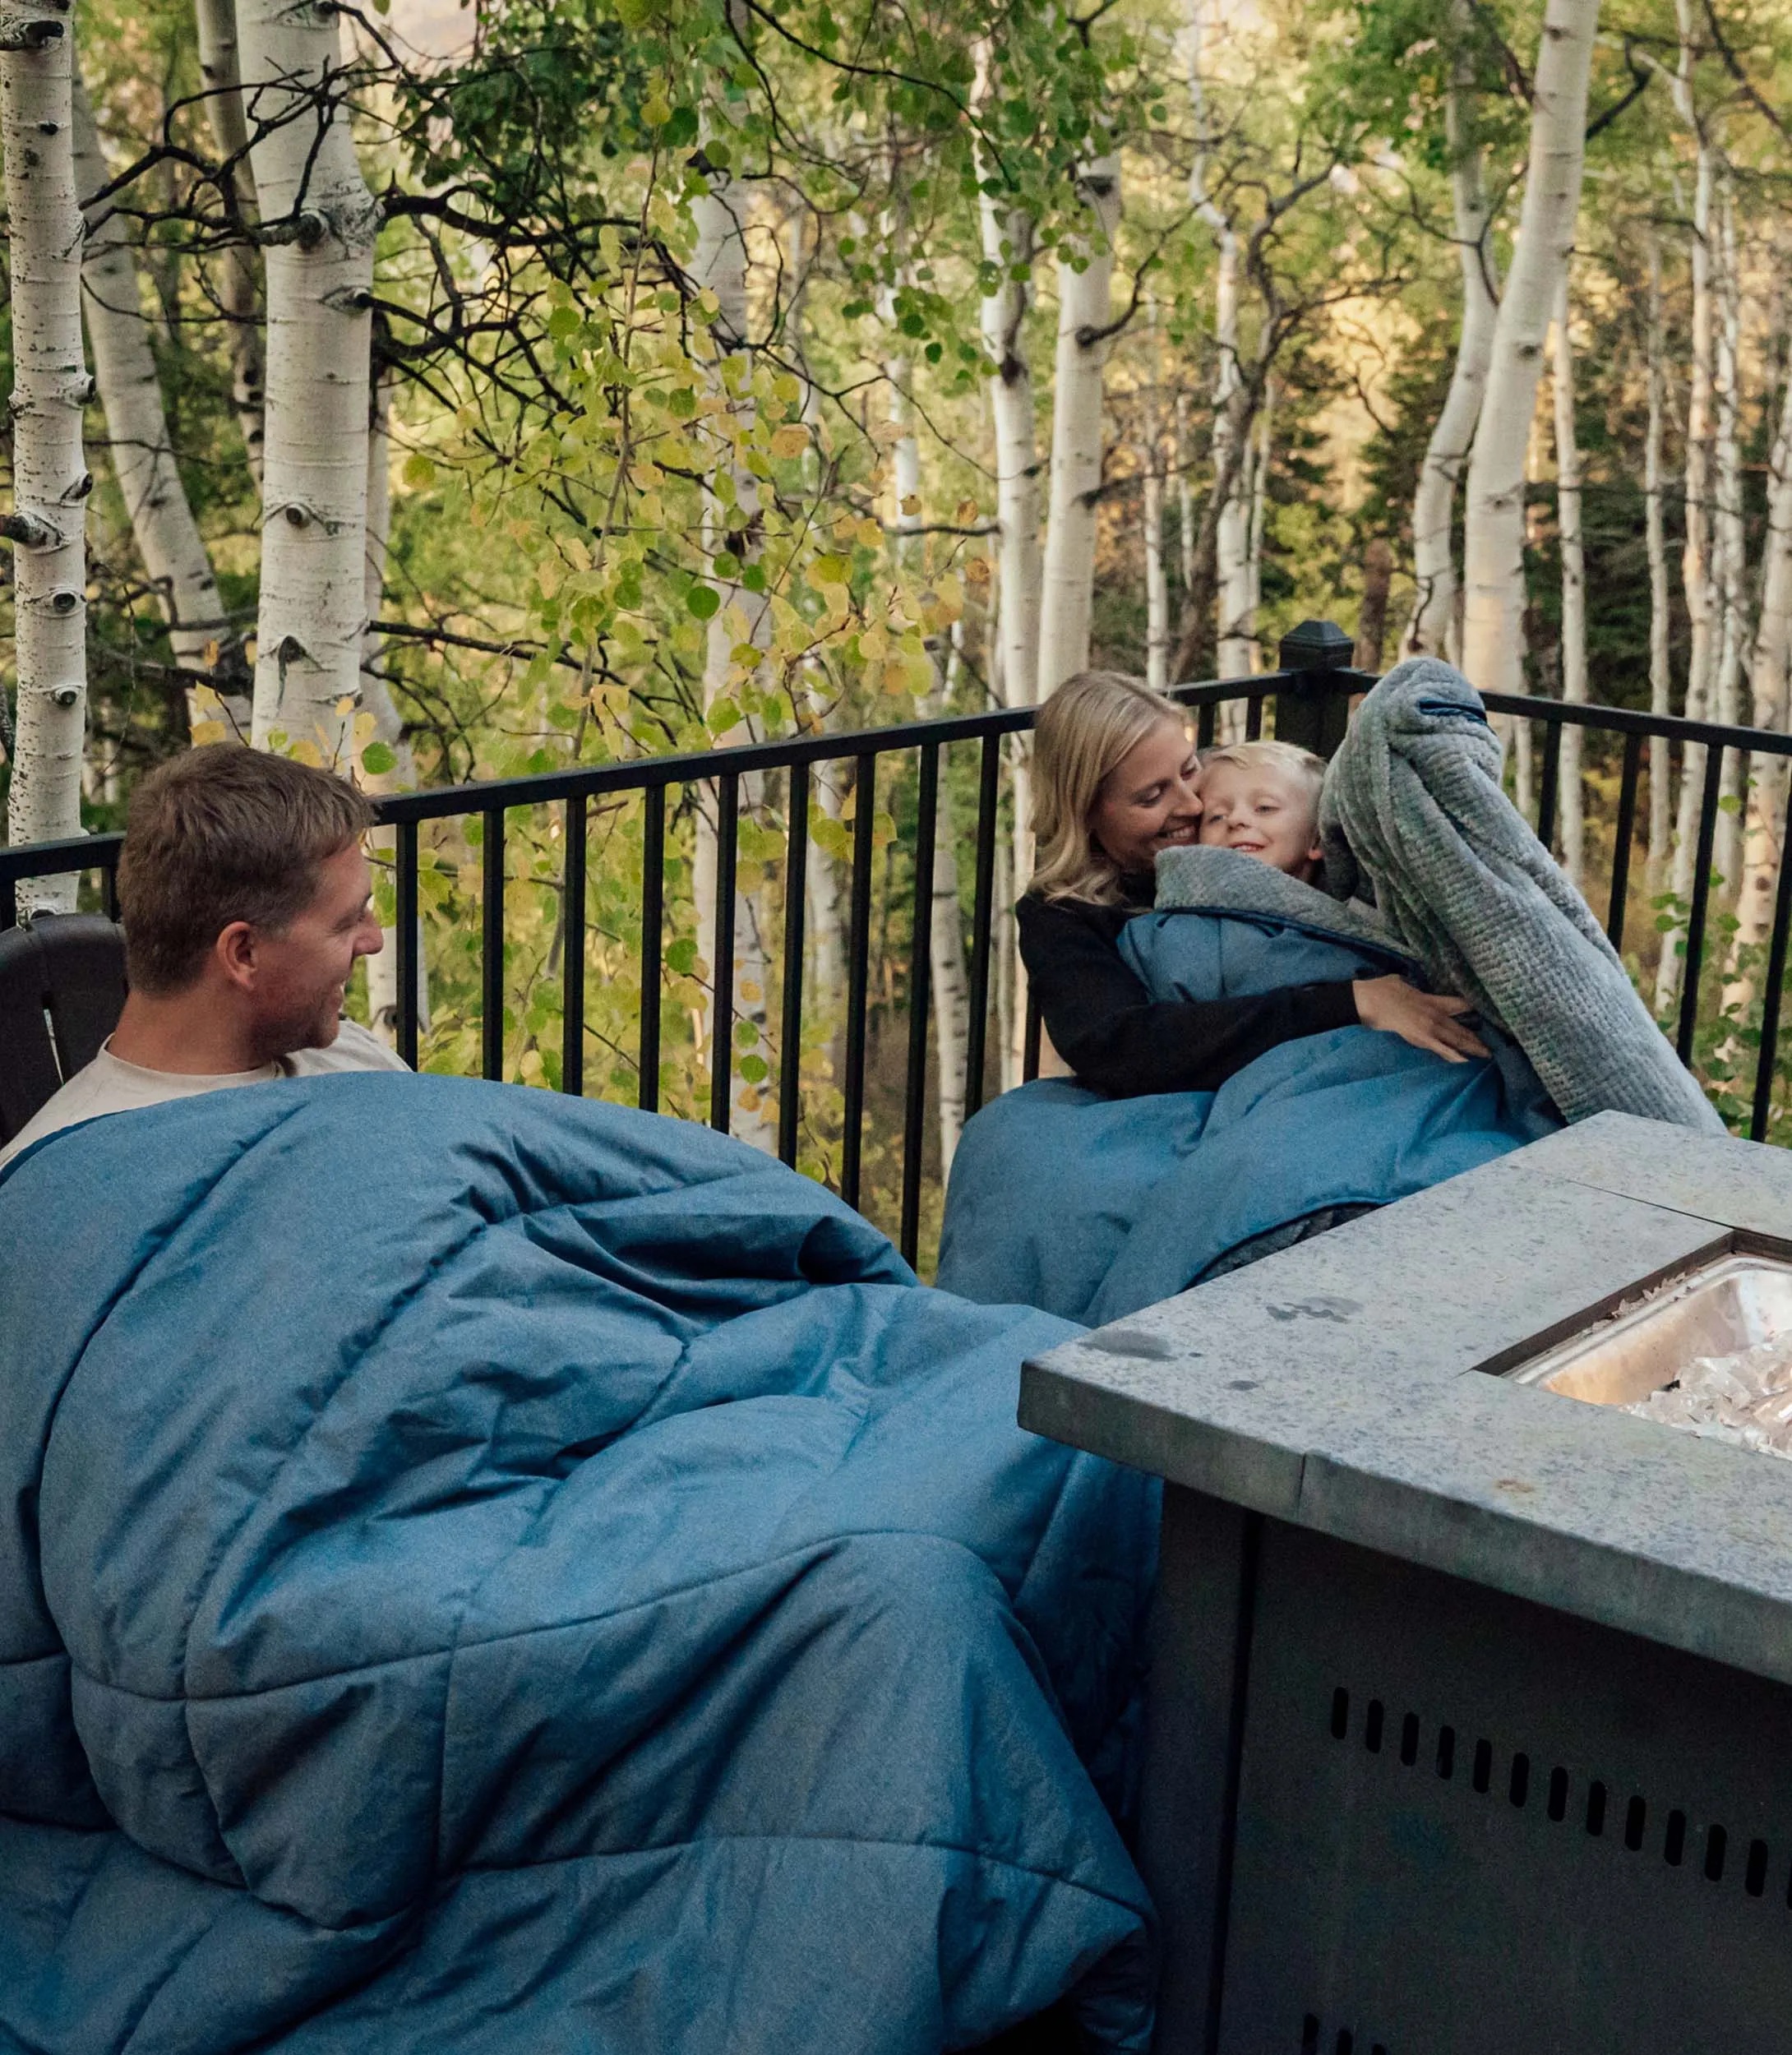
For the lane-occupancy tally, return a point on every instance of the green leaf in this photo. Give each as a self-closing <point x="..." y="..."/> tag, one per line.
<point x="755" y="1069"/>
<point x="681" y="956"/>
<point x="377" y="758"/>
<point x="681" y="129"/>
<point x="704" y="601"/>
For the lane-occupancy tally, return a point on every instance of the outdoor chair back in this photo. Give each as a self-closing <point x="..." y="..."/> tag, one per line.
<point x="62" y="989"/>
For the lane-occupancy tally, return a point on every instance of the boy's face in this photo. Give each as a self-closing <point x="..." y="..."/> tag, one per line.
<point x="1260" y="812"/>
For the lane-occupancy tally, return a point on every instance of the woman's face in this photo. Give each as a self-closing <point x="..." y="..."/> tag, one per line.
<point x="1148" y="800"/>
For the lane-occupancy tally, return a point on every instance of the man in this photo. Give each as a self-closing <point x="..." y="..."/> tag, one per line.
<point x="246" y="901"/>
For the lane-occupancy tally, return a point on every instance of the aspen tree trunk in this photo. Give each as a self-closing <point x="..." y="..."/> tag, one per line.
<point x="950" y="981"/>
<point x="1770" y="677"/>
<point x="1434" y="504"/>
<point x="719" y="264"/>
<point x="1067" y="579"/>
<point x="1259" y="509"/>
<point x="1156" y="582"/>
<point x="1007" y="237"/>
<point x="1568" y="500"/>
<point x="48" y="524"/>
<point x="221" y="70"/>
<point x="1696" y="554"/>
<point x="950" y="988"/>
<point x="1492" y="626"/>
<point x="1726" y="850"/>
<point x="1231" y="537"/>
<point x="1660" y="787"/>
<point x="143" y="461"/>
<point x="322" y="221"/>
<point x="381" y="723"/>
<point x="1186" y="520"/>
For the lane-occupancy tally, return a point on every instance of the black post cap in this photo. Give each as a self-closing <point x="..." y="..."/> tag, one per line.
<point x="1316" y="645"/>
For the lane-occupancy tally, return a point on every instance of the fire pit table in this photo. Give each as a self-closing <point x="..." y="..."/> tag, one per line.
<point x="1470" y="1729"/>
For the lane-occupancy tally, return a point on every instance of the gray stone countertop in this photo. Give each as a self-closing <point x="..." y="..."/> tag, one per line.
<point x="1341" y="1385"/>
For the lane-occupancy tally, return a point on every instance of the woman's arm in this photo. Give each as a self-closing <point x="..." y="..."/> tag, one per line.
<point x="1118" y="1040"/>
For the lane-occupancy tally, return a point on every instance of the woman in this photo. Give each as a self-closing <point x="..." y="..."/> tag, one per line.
<point x="1115" y="780"/>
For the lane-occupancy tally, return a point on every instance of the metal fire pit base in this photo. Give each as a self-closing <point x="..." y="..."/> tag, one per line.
<point x="1467" y="1824"/>
<point x="1470" y="1726"/>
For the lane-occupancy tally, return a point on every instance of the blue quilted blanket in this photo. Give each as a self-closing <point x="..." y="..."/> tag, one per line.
<point x="481" y="1573"/>
<point x="1093" y="1208"/>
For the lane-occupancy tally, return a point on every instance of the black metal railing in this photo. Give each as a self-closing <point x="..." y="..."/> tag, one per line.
<point x="1310" y="696"/>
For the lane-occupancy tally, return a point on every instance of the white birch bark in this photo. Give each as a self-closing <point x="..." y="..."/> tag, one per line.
<point x="1434" y="504"/>
<point x="1068" y="577"/>
<point x="720" y="264"/>
<point x="1661" y="678"/>
<point x="1730" y="547"/>
<point x="1493" y="627"/>
<point x="1696" y="579"/>
<point x="317" y="207"/>
<point x="1571" y="805"/>
<point x="1156" y="578"/>
<point x="386" y="726"/>
<point x="1259" y="509"/>
<point x="1007" y="236"/>
<point x="48" y="524"/>
<point x="1770" y="677"/>
<point x="220" y="68"/>
<point x="945" y="945"/>
<point x="1187" y="522"/>
<point x="168" y="538"/>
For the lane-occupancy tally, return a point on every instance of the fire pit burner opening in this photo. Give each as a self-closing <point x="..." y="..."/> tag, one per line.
<point x="1711" y="1353"/>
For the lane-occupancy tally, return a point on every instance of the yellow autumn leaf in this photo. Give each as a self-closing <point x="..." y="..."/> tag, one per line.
<point x="978" y="570"/>
<point x="870" y="534"/>
<point x="548" y="575"/>
<point x="751" y="992"/>
<point x="748" y="1101"/>
<point x="873" y="643"/>
<point x="967" y="511"/>
<point x="790" y="441"/>
<point x="911" y="503"/>
<point x="205" y="732"/>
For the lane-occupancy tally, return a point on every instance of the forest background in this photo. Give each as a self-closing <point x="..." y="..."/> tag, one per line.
<point x="481" y="391"/>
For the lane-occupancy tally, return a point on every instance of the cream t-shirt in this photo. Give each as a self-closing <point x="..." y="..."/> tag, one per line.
<point x="110" y="1085"/>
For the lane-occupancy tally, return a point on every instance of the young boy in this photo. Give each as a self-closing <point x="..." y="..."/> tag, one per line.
<point x="1263" y="800"/>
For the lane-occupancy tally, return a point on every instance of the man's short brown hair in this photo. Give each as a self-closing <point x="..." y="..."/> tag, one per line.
<point x="225" y="834"/>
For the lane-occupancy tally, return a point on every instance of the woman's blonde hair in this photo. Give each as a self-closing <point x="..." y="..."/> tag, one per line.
<point x="1083" y="731"/>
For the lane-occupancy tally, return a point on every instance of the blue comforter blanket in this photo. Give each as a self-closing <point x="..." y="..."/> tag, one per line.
<point x="1094" y="1208"/>
<point x="481" y="1573"/>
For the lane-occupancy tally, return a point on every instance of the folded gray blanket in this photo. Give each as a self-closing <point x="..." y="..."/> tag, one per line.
<point x="1223" y="881"/>
<point x="1413" y="821"/>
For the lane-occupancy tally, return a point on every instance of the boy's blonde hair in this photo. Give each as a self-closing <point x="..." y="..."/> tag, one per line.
<point x="1301" y="765"/>
<point x="1084" y="730"/>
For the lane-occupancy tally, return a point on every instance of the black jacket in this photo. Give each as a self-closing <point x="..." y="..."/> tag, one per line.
<point x="1117" y="1039"/>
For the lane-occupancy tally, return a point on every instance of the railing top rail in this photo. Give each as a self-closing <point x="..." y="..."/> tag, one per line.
<point x="81" y="852"/>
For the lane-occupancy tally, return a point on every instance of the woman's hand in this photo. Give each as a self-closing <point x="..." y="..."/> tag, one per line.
<point x="1426" y="1019"/>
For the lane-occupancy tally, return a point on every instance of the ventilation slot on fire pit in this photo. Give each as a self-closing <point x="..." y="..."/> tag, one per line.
<point x="1712" y="1857"/>
<point x="1344" y="2042"/>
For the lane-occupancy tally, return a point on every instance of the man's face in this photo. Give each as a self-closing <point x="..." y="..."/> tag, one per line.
<point x="301" y="971"/>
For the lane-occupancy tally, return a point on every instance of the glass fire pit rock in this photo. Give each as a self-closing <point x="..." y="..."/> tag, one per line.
<point x="1710" y="1354"/>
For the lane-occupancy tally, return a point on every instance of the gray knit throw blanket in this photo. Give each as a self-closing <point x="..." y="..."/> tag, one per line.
<point x="1413" y="821"/>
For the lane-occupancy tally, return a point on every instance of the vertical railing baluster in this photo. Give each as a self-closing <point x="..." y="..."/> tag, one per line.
<point x="572" y="963"/>
<point x="1767" y="1061"/>
<point x="1552" y="779"/>
<point x="108" y="886"/>
<point x="405" y="939"/>
<point x="858" y="973"/>
<point x="653" y="924"/>
<point x="1254" y="718"/>
<point x="1205" y="725"/>
<point x="790" y="1027"/>
<point x="919" y="990"/>
<point x="492" y="947"/>
<point x="1626" y="834"/>
<point x="982" y="907"/>
<point x="1701" y="892"/>
<point x="722" y="956"/>
<point x="1029" y="1055"/>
